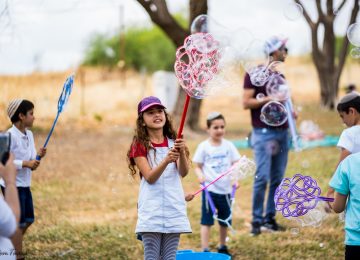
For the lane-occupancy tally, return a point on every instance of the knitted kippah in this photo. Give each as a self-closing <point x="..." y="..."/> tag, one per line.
<point x="348" y="97"/>
<point x="13" y="106"/>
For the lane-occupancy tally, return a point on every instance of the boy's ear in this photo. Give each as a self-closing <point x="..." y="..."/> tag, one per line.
<point x="22" y="116"/>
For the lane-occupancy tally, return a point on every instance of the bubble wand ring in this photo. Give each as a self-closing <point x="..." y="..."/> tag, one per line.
<point x="191" y="69"/>
<point x="240" y="170"/>
<point x="297" y="196"/>
<point x="63" y="99"/>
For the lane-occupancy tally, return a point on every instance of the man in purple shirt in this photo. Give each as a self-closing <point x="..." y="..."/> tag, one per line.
<point x="270" y="145"/>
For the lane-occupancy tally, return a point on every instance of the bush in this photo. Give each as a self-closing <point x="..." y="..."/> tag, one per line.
<point x="144" y="48"/>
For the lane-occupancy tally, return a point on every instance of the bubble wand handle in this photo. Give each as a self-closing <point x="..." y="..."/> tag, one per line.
<point x="215" y="180"/>
<point x="325" y="199"/>
<point x="292" y="126"/>
<point x="209" y="199"/>
<point x="183" y="116"/>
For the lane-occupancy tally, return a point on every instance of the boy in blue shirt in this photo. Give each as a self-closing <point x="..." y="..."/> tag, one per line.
<point x="346" y="183"/>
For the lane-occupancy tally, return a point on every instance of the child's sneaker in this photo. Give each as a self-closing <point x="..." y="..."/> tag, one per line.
<point x="272" y="226"/>
<point x="223" y="250"/>
<point x="255" y="229"/>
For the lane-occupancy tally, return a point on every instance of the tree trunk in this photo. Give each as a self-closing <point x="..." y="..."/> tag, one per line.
<point x="329" y="65"/>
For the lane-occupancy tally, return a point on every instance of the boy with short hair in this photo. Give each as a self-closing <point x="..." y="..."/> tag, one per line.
<point x="346" y="183"/>
<point x="213" y="157"/>
<point x="349" y="111"/>
<point x="21" y="114"/>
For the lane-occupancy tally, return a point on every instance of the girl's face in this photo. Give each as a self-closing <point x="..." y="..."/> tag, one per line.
<point x="28" y="119"/>
<point x="217" y="129"/>
<point x="154" y="118"/>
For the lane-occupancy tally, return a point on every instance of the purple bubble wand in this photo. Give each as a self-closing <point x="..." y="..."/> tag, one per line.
<point x="298" y="195"/>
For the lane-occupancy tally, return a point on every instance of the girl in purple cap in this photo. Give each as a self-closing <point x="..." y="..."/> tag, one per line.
<point x="162" y="160"/>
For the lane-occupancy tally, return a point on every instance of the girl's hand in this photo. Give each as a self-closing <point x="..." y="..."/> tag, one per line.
<point x="189" y="197"/>
<point x="180" y="145"/>
<point x="172" y="155"/>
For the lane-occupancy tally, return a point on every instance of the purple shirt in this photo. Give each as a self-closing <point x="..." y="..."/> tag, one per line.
<point x="255" y="113"/>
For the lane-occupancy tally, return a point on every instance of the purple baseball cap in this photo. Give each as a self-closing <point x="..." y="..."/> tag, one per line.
<point x="148" y="102"/>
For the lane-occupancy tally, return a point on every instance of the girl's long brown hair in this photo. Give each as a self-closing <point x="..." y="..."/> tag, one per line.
<point x="141" y="137"/>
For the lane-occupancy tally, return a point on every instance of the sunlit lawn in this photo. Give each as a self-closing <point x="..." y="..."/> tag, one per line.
<point x="86" y="204"/>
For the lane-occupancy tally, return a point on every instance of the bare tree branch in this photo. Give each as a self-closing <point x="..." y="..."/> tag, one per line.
<point x="341" y="5"/>
<point x="197" y="8"/>
<point x="160" y="15"/>
<point x="345" y="42"/>
<point x="306" y="14"/>
<point x="319" y="9"/>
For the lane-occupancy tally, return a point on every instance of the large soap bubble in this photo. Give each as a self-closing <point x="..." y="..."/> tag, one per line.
<point x="273" y="113"/>
<point x="353" y="34"/>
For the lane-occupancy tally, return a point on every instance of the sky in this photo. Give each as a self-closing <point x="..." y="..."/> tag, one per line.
<point x="52" y="35"/>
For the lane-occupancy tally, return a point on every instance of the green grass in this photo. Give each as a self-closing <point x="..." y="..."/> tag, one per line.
<point x="86" y="205"/>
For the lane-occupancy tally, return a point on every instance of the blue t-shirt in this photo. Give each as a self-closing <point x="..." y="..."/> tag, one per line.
<point x="346" y="181"/>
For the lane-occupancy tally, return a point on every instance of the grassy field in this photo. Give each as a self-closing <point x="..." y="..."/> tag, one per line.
<point x="85" y="201"/>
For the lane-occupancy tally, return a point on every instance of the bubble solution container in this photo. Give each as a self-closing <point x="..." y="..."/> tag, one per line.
<point x="191" y="255"/>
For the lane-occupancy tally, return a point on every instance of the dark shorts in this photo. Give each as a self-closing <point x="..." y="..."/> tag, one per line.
<point x="352" y="252"/>
<point x="26" y="206"/>
<point x="222" y="204"/>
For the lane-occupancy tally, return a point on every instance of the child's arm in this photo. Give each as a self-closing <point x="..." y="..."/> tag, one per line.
<point x="42" y="152"/>
<point x="199" y="173"/>
<point x="343" y="154"/>
<point x="32" y="164"/>
<point x="339" y="203"/>
<point x="151" y="175"/>
<point x="183" y="161"/>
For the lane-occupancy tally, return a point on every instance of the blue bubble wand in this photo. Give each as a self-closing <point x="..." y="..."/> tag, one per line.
<point x="63" y="99"/>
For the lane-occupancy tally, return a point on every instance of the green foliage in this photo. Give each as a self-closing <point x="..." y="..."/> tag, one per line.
<point x="148" y="49"/>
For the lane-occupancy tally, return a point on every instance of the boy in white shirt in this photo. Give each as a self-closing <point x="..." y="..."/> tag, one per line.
<point x="21" y="114"/>
<point x="213" y="157"/>
<point x="349" y="111"/>
<point x="349" y="142"/>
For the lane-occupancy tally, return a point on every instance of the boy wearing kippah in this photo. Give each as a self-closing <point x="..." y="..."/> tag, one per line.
<point x="21" y="114"/>
<point x="349" y="111"/>
<point x="349" y="142"/>
<point x="213" y="157"/>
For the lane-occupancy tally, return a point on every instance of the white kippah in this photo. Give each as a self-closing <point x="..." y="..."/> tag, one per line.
<point x="212" y="115"/>
<point x="13" y="106"/>
<point x="348" y="97"/>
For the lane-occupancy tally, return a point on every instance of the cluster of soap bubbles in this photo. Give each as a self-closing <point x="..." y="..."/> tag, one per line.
<point x="353" y="34"/>
<point x="211" y="57"/>
<point x="274" y="113"/>
<point x="196" y="63"/>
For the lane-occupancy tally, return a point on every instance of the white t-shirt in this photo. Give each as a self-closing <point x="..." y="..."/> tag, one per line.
<point x="216" y="160"/>
<point x="350" y="139"/>
<point x="7" y="229"/>
<point x="23" y="148"/>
